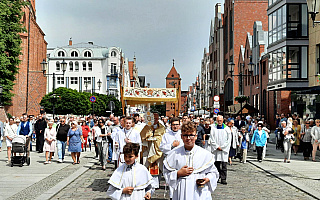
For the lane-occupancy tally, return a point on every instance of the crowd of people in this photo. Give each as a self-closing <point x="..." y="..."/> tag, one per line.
<point x="192" y="153"/>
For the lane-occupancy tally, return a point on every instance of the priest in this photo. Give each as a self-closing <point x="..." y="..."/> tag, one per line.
<point x="189" y="169"/>
<point x="220" y="141"/>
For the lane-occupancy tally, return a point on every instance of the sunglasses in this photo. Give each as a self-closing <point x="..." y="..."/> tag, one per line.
<point x="189" y="136"/>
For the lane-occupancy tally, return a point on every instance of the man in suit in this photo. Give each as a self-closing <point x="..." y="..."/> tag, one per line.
<point x="239" y="123"/>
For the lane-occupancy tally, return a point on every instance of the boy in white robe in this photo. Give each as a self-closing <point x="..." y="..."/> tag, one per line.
<point x="126" y="135"/>
<point x="131" y="180"/>
<point x="172" y="138"/>
<point x="189" y="170"/>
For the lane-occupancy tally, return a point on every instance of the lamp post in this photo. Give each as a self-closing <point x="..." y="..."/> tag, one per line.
<point x="44" y="65"/>
<point x="1" y="90"/>
<point x="93" y="89"/>
<point x="313" y="9"/>
<point x="241" y="75"/>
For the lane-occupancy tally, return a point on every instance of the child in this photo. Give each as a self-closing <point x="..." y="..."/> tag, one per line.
<point x="244" y="139"/>
<point x="131" y="180"/>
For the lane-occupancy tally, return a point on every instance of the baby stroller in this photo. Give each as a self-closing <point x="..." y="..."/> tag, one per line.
<point x="19" y="148"/>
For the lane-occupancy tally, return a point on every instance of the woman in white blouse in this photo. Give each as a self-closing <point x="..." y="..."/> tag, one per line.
<point x="315" y="141"/>
<point x="10" y="132"/>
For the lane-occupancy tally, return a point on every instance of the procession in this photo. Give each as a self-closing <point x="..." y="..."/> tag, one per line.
<point x="191" y="153"/>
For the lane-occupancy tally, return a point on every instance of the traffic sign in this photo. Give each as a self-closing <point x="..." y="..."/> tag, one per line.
<point x="93" y="99"/>
<point x="192" y="108"/>
<point x="216" y="110"/>
<point x="216" y="105"/>
<point x="216" y="98"/>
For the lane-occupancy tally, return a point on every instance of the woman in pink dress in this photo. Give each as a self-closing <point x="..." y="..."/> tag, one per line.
<point x="50" y="141"/>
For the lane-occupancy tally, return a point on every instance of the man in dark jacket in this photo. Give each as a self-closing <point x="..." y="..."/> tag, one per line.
<point x="40" y="127"/>
<point x="62" y="132"/>
<point x="200" y="133"/>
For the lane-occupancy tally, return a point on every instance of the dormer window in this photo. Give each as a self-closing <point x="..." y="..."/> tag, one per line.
<point x="61" y="54"/>
<point x="113" y="54"/>
<point x="74" y="54"/>
<point x="87" y="54"/>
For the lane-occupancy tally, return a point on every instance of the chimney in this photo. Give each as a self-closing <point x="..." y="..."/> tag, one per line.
<point x="70" y="42"/>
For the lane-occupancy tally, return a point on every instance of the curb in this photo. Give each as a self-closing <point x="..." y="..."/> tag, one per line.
<point x="57" y="188"/>
<point x="292" y="183"/>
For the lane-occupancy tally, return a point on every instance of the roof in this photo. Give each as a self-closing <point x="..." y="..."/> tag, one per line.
<point x="173" y="73"/>
<point x="83" y="45"/>
<point x="130" y="64"/>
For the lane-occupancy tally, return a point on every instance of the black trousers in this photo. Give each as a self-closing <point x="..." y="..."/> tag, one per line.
<point x="96" y="149"/>
<point x="259" y="153"/>
<point x="40" y="142"/>
<point x="222" y="169"/>
<point x="307" y="148"/>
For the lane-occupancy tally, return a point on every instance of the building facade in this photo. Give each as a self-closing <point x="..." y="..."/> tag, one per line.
<point x="173" y="80"/>
<point x="238" y="19"/>
<point x="30" y="84"/>
<point x="205" y="81"/>
<point x="90" y="68"/>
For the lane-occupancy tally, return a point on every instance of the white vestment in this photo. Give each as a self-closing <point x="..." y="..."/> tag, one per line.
<point x="137" y="177"/>
<point x="167" y="140"/>
<point x="220" y="138"/>
<point x="131" y="134"/>
<point x="114" y="136"/>
<point x="202" y="162"/>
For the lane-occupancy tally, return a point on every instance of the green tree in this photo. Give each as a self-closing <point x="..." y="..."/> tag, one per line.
<point x="69" y="101"/>
<point x="10" y="44"/>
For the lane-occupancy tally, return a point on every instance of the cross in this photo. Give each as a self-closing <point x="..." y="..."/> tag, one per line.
<point x="173" y="61"/>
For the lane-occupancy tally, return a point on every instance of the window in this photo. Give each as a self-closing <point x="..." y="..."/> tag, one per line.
<point x="84" y="66"/>
<point x="113" y="82"/>
<point x="90" y="66"/>
<point x="76" y="66"/>
<point x="318" y="59"/>
<point x="297" y="20"/>
<point x="70" y="66"/>
<point x="113" y="68"/>
<point x="60" y="80"/>
<point x="277" y="25"/>
<point x="57" y="66"/>
<point x="87" y="54"/>
<point x="87" y="79"/>
<point x="61" y="54"/>
<point x="74" y="80"/>
<point x="113" y="54"/>
<point x="74" y="54"/>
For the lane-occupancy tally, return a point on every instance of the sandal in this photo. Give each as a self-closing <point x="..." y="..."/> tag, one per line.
<point x="74" y="163"/>
<point x="78" y="162"/>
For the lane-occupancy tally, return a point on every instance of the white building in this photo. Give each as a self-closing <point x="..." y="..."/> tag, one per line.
<point x="90" y="68"/>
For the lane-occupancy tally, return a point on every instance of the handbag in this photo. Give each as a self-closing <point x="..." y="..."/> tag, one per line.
<point x="292" y="140"/>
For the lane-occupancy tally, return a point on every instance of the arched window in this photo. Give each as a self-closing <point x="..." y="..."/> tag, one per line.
<point x="57" y="66"/>
<point x="70" y="66"/>
<point x="89" y="66"/>
<point x="113" y="54"/>
<point x="61" y="54"/>
<point x="84" y="66"/>
<point x="87" y="54"/>
<point x="76" y="66"/>
<point x="74" y="54"/>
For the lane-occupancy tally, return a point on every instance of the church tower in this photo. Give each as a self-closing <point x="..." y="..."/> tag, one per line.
<point x="173" y="80"/>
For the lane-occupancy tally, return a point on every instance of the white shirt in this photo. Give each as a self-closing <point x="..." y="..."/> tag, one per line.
<point x="168" y="138"/>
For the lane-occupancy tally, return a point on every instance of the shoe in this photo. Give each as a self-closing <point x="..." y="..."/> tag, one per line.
<point x="244" y="162"/>
<point x="60" y="161"/>
<point x="46" y="162"/>
<point x="260" y="160"/>
<point x="49" y="162"/>
<point x="103" y="168"/>
<point x="224" y="182"/>
<point x="288" y="161"/>
<point x="8" y="161"/>
<point x="285" y="160"/>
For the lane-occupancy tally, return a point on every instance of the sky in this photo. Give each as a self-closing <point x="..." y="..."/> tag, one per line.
<point x="156" y="31"/>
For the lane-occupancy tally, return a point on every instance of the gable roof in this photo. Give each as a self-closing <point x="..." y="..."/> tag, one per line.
<point x="173" y="73"/>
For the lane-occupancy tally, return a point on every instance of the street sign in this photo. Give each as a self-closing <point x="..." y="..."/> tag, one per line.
<point x="111" y="105"/>
<point x="192" y="108"/>
<point x="216" y="105"/>
<point x="93" y="99"/>
<point x="216" y="110"/>
<point x="216" y="98"/>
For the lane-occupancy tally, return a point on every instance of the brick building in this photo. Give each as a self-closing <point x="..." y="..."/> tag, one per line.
<point x="30" y="84"/>
<point x="238" y="19"/>
<point x="173" y="80"/>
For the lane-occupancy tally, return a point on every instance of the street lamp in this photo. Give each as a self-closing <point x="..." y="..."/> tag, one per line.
<point x="313" y="9"/>
<point x="86" y="85"/>
<point x="44" y="65"/>
<point x="1" y="90"/>
<point x="99" y="84"/>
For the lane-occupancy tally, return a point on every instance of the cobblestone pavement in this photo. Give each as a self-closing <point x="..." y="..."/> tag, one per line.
<point x="245" y="181"/>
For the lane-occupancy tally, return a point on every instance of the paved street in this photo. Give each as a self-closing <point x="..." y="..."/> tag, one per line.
<point x="245" y="181"/>
<point x="28" y="182"/>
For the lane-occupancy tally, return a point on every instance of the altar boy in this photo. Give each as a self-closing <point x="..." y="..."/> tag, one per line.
<point x="189" y="169"/>
<point x="131" y="180"/>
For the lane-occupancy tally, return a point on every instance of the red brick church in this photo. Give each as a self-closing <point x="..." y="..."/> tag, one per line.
<point x="30" y="84"/>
